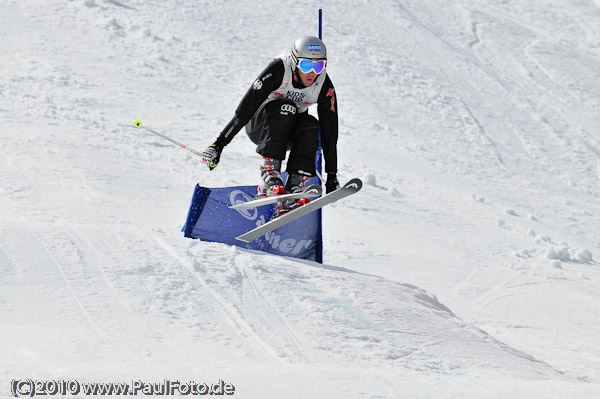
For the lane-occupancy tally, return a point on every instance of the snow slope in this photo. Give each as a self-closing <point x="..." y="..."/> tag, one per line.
<point x="467" y="267"/>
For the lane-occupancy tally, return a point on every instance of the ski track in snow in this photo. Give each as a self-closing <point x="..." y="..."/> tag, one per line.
<point x="467" y="266"/>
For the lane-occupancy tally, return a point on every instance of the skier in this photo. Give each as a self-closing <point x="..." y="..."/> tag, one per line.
<point x="274" y="111"/>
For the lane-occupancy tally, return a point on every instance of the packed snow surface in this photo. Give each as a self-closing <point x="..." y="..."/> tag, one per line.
<point x="467" y="267"/>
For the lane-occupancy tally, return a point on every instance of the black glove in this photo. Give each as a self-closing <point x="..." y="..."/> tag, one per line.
<point x="212" y="154"/>
<point x="332" y="183"/>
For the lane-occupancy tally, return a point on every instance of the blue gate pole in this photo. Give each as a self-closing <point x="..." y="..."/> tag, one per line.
<point x="319" y="166"/>
<point x="320" y="151"/>
<point x="321" y="23"/>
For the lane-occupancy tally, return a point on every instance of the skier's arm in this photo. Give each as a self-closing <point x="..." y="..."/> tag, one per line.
<point x="328" y="119"/>
<point x="269" y="80"/>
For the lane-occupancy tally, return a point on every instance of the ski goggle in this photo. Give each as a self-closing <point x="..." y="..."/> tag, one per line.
<point x="308" y="65"/>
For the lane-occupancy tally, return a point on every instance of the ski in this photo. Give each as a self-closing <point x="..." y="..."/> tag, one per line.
<point x="310" y="191"/>
<point x="352" y="187"/>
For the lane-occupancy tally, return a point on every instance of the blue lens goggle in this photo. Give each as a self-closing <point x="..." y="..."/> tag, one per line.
<point x="308" y="65"/>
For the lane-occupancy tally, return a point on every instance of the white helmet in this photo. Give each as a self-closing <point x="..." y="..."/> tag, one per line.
<point x="309" y="47"/>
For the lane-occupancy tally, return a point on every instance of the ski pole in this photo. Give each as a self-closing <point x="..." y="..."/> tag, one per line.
<point x="139" y="124"/>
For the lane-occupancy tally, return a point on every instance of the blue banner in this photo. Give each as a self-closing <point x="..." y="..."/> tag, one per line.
<point x="211" y="219"/>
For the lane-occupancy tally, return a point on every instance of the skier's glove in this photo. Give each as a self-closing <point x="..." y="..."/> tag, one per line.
<point x="332" y="183"/>
<point x="212" y="155"/>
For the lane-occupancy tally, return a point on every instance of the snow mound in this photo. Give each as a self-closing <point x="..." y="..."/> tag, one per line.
<point x="566" y="254"/>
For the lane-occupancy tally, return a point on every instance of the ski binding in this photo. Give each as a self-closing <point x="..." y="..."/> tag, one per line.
<point x="352" y="187"/>
<point x="310" y="191"/>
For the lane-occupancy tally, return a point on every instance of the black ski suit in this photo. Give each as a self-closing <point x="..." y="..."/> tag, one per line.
<point x="274" y="111"/>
